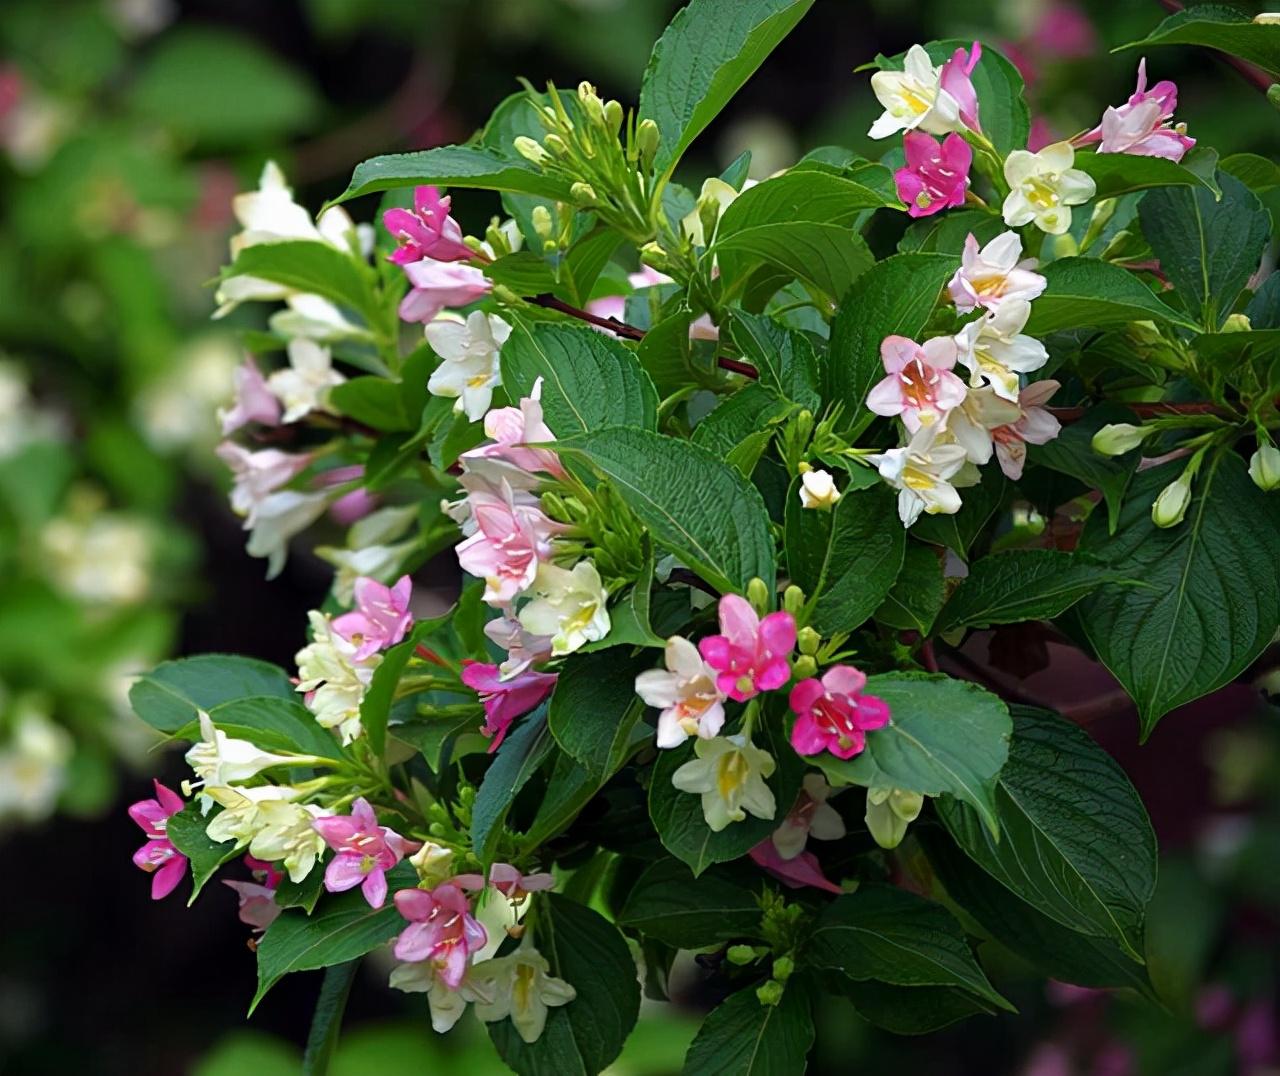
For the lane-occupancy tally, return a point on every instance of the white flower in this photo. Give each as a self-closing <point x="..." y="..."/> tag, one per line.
<point x="371" y="549"/>
<point x="1043" y="187"/>
<point x="568" y="605"/>
<point x="434" y="864"/>
<point x="286" y="835"/>
<point x="334" y="682"/>
<point x="315" y="318"/>
<point x="33" y="765"/>
<point x="913" y="97"/>
<point x="729" y="772"/>
<point x="1264" y="467"/>
<point x="105" y="557"/>
<point x="1170" y="507"/>
<point x="920" y="472"/>
<point x="303" y="386"/>
<point x="470" y="352"/>
<point x="988" y="276"/>
<point x="995" y="350"/>
<point x="889" y="812"/>
<point x="972" y="422"/>
<point x="257" y="475"/>
<point x="20" y="420"/>
<point x="685" y="692"/>
<point x="219" y="759"/>
<point x="522" y="987"/>
<point x="277" y="520"/>
<point x="818" y="490"/>
<point x="423" y="977"/>
<point x="240" y="818"/>
<point x="1035" y="425"/>
<point x="714" y="192"/>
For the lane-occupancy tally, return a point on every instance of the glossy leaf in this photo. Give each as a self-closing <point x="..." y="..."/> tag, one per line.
<point x="170" y="696"/>
<point x="1217" y="26"/>
<point x="742" y="1037"/>
<point x="669" y="903"/>
<point x="1088" y="291"/>
<point x="186" y="830"/>
<point x="525" y="749"/>
<point x="453" y="166"/>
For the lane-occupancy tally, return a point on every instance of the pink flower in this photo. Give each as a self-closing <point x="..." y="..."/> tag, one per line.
<point x="436" y="285"/>
<point x="254" y="402"/>
<point x="381" y="616"/>
<point x="523" y="647"/>
<point x="511" y="428"/>
<point x="832" y="715"/>
<point x="1042" y="134"/>
<point x="353" y="507"/>
<point x="1065" y="31"/>
<point x="751" y="654"/>
<point x="795" y="873"/>
<point x="936" y="176"/>
<point x="258" y="907"/>
<point x="426" y="231"/>
<point x="158" y="856"/>
<point x="441" y="929"/>
<point x="510" y="541"/>
<point x="508" y="881"/>
<point x="366" y="851"/>
<point x="994" y="273"/>
<point x="505" y="700"/>
<point x="1037" y="426"/>
<point x="1143" y="125"/>
<point x="920" y="385"/>
<point x="955" y="79"/>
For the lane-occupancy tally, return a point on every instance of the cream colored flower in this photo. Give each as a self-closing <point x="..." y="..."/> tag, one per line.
<point x="729" y="773"/>
<point x="1044" y="186"/>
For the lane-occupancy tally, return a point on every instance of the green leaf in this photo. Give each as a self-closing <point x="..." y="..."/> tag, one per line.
<point x="710" y="49"/>
<point x="303" y="894"/>
<point x="1216" y="26"/>
<point x="945" y="233"/>
<point x="310" y="267"/>
<point x="1071" y="453"/>
<point x="1023" y="584"/>
<point x="342" y="928"/>
<point x="375" y="707"/>
<point x="453" y="166"/>
<point x="911" y="1010"/>
<point x="1213" y="602"/>
<point x="170" y="696"/>
<point x="695" y="506"/>
<point x="784" y="358"/>
<point x="326" y="1021"/>
<point x="847" y="559"/>
<point x="375" y="401"/>
<point x="583" y="1037"/>
<point x="589" y="380"/>
<point x="753" y="409"/>
<point x="519" y="757"/>
<point x="958" y="532"/>
<point x="945" y="736"/>
<point x="186" y="830"/>
<point x="1075" y="841"/>
<point x="1259" y="174"/>
<point x="897" y="295"/>
<point x="524" y="272"/>
<point x="829" y="256"/>
<point x="915" y="598"/>
<point x="587" y="258"/>
<point x="669" y="903"/>
<point x="1088" y="291"/>
<point x="801" y="195"/>
<point x="1263" y="310"/>
<point x="594" y="708"/>
<point x="1208" y="249"/>
<point x="1238" y="353"/>
<point x="892" y="936"/>
<point x="1122" y="173"/>
<point x="741" y="1037"/>
<point x="271" y="723"/>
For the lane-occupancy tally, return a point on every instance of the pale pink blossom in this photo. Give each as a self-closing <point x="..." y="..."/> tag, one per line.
<point x="1037" y="426"/>
<point x="253" y="401"/>
<point x="511" y="429"/>
<point x="752" y="654"/>
<point x="833" y="715"/>
<point x="441" y="929"/>
<point x="258" y="907"/>
<point x="353" y="506"/>
<point x="811" y="816"/>
<point x="365" y="852"/>
<point x="158" y="856"/>
<point x="510" y="541"/>
<point x="936" y="175"/>
<point x="508" y="881"/>
<point x="795" y="873"/>
<point x="956" y="81"/>
<point x="435" y="285"/>
<point x="381" y="616"/>
<point x="920" y="386"/>
<point x="522" y="646"/>
<point x="505" y="699"/>
<point x="685" y="692"/>
<point x="426" y="231"/>
<point x="259" y="474"/>
<point x="994" y="273"/>
<point x="1143" y="125"/>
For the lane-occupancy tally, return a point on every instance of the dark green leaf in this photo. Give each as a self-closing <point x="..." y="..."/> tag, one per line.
<point x="911" y="1010"/>
<point x="453" y="166"/>
<point x="829" y="256"/>
<point x="753" y="409"/>
<point x="186" y="830"/>
<point x="272" y="723"/>
<point x="784" y="358"/>
<point x="669" y="903"/>
<point x="326" y="1021"/>
<point x="523" y="272"/>
<point x="1122" y="173"/>
<point x="1071" y="453"/>
<point x="310" y="267"/>
<point x="1259" y="174"/>
<point x="1216" y="26"/>
<point x="804" y="195"/>
<point x="521" y="753"/>
<point x="913" y="601"/>
<point x="594" y="708"/>
<point x="741" y="1037"/>
<point x="1087" y="291"/>
<point x="170" y="696"/>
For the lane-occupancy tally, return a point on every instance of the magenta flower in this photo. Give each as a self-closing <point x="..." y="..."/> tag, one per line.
<point x="751" y="654"/>
<point x="426" y="231"/>
<point x="795" y="873"/>
<point x="956" y="80"/>
<point x="366" y="851"/>
<point x="936" y="175"/>
<point x="1143" y="125"/>
<point x="505" y="700"/>
<point x="833" y="715"/>
<point x="920" y="385"/>
<point x="158" y="856"/>
<point x="381" y="616"/>
<point x="441" y="929"/>
<point x="436" y="285"/>
<point x="253" y="402"/>
<point x="508" y="881"/>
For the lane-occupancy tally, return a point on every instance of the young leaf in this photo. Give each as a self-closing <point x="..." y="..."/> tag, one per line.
<point x="669" y="903"/>
<point x="945" y="736"/>
<point x="742" y="1037"/>
<point x="784" y="358"/>
<point x="1075" y="841"/>
<point x="584" y="1036"/>
<point x="695" y="506"/>
<point x="453" y="166"/>
<point x="1088" y="291"/>
<point x="1213" y="600"/>
<point x="710" y="49"/>
<point x="595" y="708"/>
<point x="589" y="380"/>
<point x="169" y="697"/>
<point x="523" y="751"/>
<point x="186" y="830"/>
<point x="1216" y="26"/>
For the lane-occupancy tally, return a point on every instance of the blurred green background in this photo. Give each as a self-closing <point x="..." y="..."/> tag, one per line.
<point x="126" y="126"/>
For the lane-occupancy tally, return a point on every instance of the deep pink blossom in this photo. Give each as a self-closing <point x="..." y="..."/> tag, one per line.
<point x="751" y="654"/>
<point x="436" y="285"/>
<point x="508" y="881"/>
<point x="426" y="231"/>
<point x="381" y="616"/>
<point x="365" y="852"/>
<point x="158" y="856"/>
<point x="833" y="715"/>
<point x="505" y="700"/>
<point x="795" y="873"/>
<point x="1143" y="125"/>
<point x="254" y="402"/>
<point x="441" y="929"/>
<point x="919" y="385"/>
<point x="956" y="80"/>
<point x="936" y="175"/>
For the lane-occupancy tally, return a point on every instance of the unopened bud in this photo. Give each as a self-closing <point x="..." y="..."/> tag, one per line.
<point x="530" y="150"/>
<point x="769" y="993"/>
<point x="591" y="103"/>
<point x="1267" y="18"/>
<point x="783" y="968"/>
<point x="1117" y="438"/>
<point x="818" y="490"/>
<point x="741" y="955"/>
<point x="556" y="145"/>
<point x="1273" y="95"/>
<point x="653" y="255"/>
<point x="758" y="595"/>
<point x="476" y="247"/>
<point x="808" y="640"/>
<point x="496" y="238"/>
<point x="804" y="667"/>
<point x="802" y="425"/>
<point x="1237" y="323"/>
<point x="543" y="226"/>
<point x="793" y="600"/>
<point x="1171" y="506"/>
<point x="647" y="138"/>
<point x="584" y="194"/>
<point x="1264" y="467"/>
<point x="1065" y="246"/>
<point x="613" y="117"/>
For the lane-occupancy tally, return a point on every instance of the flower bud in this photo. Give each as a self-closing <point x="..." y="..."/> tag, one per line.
<point x="808" y="640"/>
<point x="530" y="150"/>
<point x="741" y="955"/>
<point x="1237" y="323"/>
<point x="1267" y="18"/>
<point x="783" y="968"/>
<point x="1273" y="95"/>
<point x="708" y="217"/>
<point x="1264" y="467"/>
<point x="556" y="145"/>
<point x="613" y="117"/>
<point x="793" y="600"/>
<point x="473" y="244"/>
<point x="1117" y="438"/>
<point x="758" y="595"/>
<point x="804" y="667"/>
<point x="591" y="103"/>
<point x="584" y="194"/>
<point x="653" y="255"/>
<point x="542" y="223"/>
<point x="769" y="993"/>
<point x="818" y="490"/>
<point x="1065" y="246"/>
<point x="647" y="138"/>
<point x="1171" y="506"/>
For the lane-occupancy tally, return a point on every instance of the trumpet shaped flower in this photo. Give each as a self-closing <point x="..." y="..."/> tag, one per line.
<point x="995" y="350"/>
<point x="812" y="816"/>
<point x="801" y="870"/>
<point x="913" y="98"/>
<point x="365" y="852"/>
<point x="972" y="423"/>
<point x="519" y="986"/>
<point x="818" y="490"/>
<point x="833" y="715"/>
<point x="435" y="285"/>
<point x="920" y="385"/>
<point x="994" y="273"/>
<point x="219" y="759"/>
<point x="512" y="540"/>
<point x="505" y="699"/>
<point x="380" y="619"/>
<point x="729" y="773"/>
<point x="303" y="386"/>
<point x="426" y="231"/>
<point x="568" y="606"/>
<point x="158" y="857"/>
<point x="956" y="79"/>
<point x="751" y="655"/>
<point x="1143" y="125"/>
<point x="508" y="881"/>
<point x="446" y="1003"/>
<point x="523" y="648"/>
<point x="470" y="351"/>
<point x="1035" y="425"/>
<point x="936" y="175"/>
<point x="921" y="471"/>
<point x="333" y="679"/>
<point x="253" y="401"/>
<point x="1043" y="187"/>
<point x="441" y="929"/>
<point x="511" y="429"/>
<point x="685" y="692"/>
